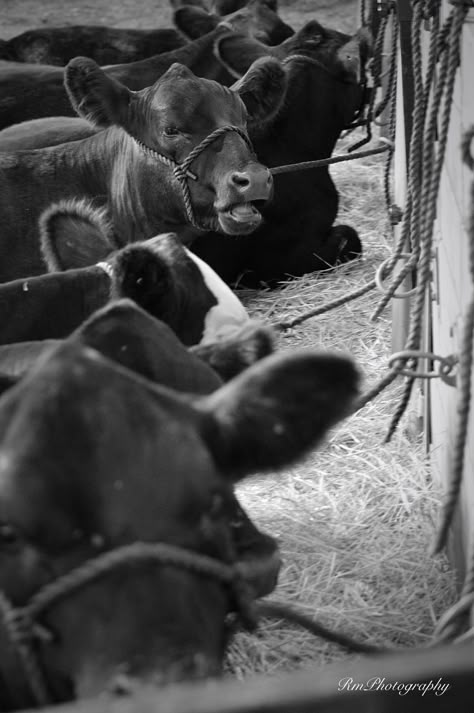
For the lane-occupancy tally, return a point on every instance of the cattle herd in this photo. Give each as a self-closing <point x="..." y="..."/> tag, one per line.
<point x="135" y="390"/>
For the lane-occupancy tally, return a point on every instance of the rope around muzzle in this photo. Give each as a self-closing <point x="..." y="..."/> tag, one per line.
<point x="22" y="628"/>
<point x="182" y="171"/>
<point x="21" y="623"/>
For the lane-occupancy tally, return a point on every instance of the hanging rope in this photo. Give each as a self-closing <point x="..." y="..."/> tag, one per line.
<point x="424" y="171"/>
<point x="430" y="178"/>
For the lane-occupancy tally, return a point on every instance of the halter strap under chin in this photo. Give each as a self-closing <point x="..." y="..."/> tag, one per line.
<point x="182" y="171"/>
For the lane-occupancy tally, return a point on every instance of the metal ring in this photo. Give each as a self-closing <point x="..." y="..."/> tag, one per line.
<point x="446" y="365"/>
<point x="379" y="278"/>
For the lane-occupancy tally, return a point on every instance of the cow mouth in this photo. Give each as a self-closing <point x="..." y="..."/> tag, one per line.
<point x="241" y="218"/>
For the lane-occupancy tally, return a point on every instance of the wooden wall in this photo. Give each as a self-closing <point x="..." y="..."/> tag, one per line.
<point x="450" y="286"/>
<point x="451" y="291"/>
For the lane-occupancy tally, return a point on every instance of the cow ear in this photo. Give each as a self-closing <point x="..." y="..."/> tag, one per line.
<point x="262" y="89"/>
<point x="74" y="234"/>
<point x="277" y="410"/>
<point x="142" y="276"/>
<point x="354" y="54"/>
<point x="94" y="95"/>
<point x="194" y="22"/>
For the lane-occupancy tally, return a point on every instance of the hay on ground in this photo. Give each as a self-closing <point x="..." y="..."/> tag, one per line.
<point x="356" y="519"/>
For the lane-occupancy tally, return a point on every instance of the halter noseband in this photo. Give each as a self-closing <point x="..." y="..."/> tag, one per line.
<point x="20" y="623"/>
<point x="181" y="170"/>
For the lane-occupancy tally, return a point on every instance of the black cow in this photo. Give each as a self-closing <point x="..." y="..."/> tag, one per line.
<point x="131" y="167"/>
<point x="94" y="458"/>
<point x="325" y="91"/>
<point x="106" y="45"/>
<point x="30" y="91"/>
<point x="128" y="335"/>
<point x="49" y="131"/>
<point x="297" y="236"/>
<point x="159" y="274"/>
<point x="254" y="19"/>
<point x="111" y="45"/>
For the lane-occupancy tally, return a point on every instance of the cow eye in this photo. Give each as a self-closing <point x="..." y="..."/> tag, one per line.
<point x="8" y="535"/>
<point x="171" y="131"/>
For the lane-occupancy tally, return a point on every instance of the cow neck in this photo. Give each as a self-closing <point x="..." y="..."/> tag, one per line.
<point x="90" y="160"/>
<point x="144" y="197"/>
<point x="75" y="294"/>
<point x="291" y="136"/>
<point x="198" y="55"/>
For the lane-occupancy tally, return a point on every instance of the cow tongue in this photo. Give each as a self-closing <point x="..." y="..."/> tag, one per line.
<point x="244" y="212"/>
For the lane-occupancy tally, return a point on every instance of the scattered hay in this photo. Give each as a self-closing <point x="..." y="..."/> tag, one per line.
<point x="356" y="519"/>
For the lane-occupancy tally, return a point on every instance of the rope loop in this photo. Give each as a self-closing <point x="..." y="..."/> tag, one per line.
<point x="380" y="275"/>
<point x="446" y="366"/>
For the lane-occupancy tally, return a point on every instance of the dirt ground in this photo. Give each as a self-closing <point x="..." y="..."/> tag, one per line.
<point x="19" y="15"/>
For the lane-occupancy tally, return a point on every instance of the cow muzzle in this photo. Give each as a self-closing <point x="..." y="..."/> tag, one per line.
<point x="249" y="190"/>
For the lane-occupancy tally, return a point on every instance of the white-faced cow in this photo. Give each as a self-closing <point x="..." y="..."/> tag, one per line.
<point x="97" y="463"/>
<point x="86" y="270"/>
<point x="176" y="152"/>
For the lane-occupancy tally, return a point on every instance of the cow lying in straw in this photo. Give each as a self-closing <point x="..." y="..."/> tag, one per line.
<point x="326" y="73"/>
<point x="114" y="490"/>
<point x="115" y="45"/>
<point x="175" y="152"/>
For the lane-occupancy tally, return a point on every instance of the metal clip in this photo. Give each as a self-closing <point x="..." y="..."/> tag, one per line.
<point x="446" y="366"/>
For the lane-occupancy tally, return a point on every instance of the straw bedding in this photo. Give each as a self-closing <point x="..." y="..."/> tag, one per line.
<point x="356" y="519"/>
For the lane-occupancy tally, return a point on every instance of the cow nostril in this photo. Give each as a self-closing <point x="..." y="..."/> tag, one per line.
<point x="241" y="180"/>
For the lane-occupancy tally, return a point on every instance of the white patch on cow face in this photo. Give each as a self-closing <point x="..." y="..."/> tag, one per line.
<point x="228" y="315"/>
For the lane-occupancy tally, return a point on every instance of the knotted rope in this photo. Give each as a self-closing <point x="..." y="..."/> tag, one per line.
<point x="182" y="172"/>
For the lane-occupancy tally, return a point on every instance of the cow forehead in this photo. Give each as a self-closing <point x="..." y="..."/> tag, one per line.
<point x="183" y="96"/>
<point x="229" y="314"/>
<point x="87" y="444"/>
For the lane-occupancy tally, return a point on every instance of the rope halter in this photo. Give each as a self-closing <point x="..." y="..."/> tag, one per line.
<point x="22" y="630"/>
<point x="182" y="171"/>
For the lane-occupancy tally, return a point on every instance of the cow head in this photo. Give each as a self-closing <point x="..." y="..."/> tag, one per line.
<point x="159" y="274"/>
<point x="161" y="125"/>
<point x="94" y="458"/>
<point x="256" y="19"/>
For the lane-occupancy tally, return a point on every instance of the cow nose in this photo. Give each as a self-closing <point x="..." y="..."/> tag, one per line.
<point x="255" y="183"/>
<point x="240" y="179"/>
